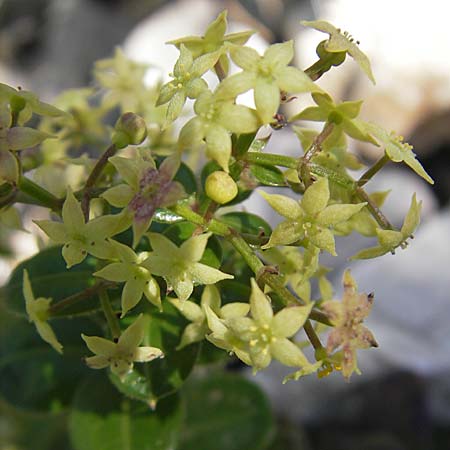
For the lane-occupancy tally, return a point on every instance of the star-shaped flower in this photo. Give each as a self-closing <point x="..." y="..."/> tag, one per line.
<point x="187" y="81"/>
<point x="123" y="80"/>
<point x="346" y="317"/>
<point x="180" y="266"/>
<point x="121" y="356"/>
<point x="309" y="219"/>
<point x="138" y="280"/>
<point x="37" y="310"/>
<point x="397" y="150"/>
<point x="267" y="75"/>
<point x="264" y="335"/>
<point x="342" y="42"/>
<point x="390" y="240"/>
<point x="213" y="40"/>
<point x="80" y="238"/>
<point x="147" y="188"/>
<point x="198" y="329"/>
<point x="344" y="116"/>
<point x="215" y="121"/>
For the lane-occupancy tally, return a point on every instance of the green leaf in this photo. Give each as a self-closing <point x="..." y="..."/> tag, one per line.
<point x="268" y="175"/>
<point x="246" y="223"/>
<point x="243" y="143"/>
<point x="186" y="177"/>
<point x="182" y="231"/>
<point x="51" y="279"/>
<point x="102" y="419"/>
<point x="226" y="412"/>
<point x="33" y="376"/>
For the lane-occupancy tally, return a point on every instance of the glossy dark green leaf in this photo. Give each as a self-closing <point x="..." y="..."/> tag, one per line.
<point x="102" y="419"/>
<point x="245" y="222"/>
<point x="268" y="175"/>
<point x="187" y="178"/>
<point x="243" y="143"/>
<point x="182" y="231"/>
<point x="33" y="376"/>
<point x="51" y="279"/>
<point x="226" y="412"/>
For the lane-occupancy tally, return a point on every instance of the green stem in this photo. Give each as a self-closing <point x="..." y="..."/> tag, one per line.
<point x="71" y="300"/>
<point x="110" y="315"/>
<point x="43" y="197"/>
<point x="369" y="174"/>
<point x="93" y="177"/>
<point x="374" y="210"/>
<point x="312" y="336"/>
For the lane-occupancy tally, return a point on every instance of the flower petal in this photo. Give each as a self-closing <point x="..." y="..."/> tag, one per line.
<point x="194" y="247"/>
<point x="133" y="335"/>
<point x="267" y="99"/>
<point x="146" y="354"/>
<point x="260" y="306"/>
<point x="118" y="196"/>
<point x="289" y="320"/>
<point x="218" y="141"/>
<point x="72" y="214"/>
<point x="48" y="335"/>
<point x="203" y="274"/>
<point x="56" y="231"/>
<point x="316" y="197"/>
<point x="100" y="346"/>
<point x="287" y="353"/>
<point x="97" y="362"/>
<point x="132" y="294"/>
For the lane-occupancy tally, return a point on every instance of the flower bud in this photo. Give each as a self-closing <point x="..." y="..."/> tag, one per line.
<point x="130" y="129"/>
<point x="220" y="187"/>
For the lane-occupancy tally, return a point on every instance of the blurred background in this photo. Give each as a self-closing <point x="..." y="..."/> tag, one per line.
<point x="402" y="400"/>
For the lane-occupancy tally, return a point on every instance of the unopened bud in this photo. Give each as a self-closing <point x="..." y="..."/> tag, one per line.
<point x="220" y="187"/>
<point x="130" y="129"/>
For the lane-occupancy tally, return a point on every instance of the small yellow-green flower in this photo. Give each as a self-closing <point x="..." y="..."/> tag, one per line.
<point x="344" y="116"/>
<point x="138" y="280"/>
<point x="262" y="336"/>
<point x="390" y="240"/>
<point x="80" y="238"/>
<point x="147" y="188"/>
<point x="214" y="40"/>
<point x="180" y="266"/>
<point x="121" y="356"/>
<point x="397" y="150"/>
<point x="123" y="80"/>
<point x="342" y="42"/>
<point x="215" y="121"/>
<point x="346" y="317"/>
<point x="187" y="81"/>
<point x="310" y="219"/>
<point x="37" y="310"/>
<point x="198" y="329"/>
<point x="267" y="75"/>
